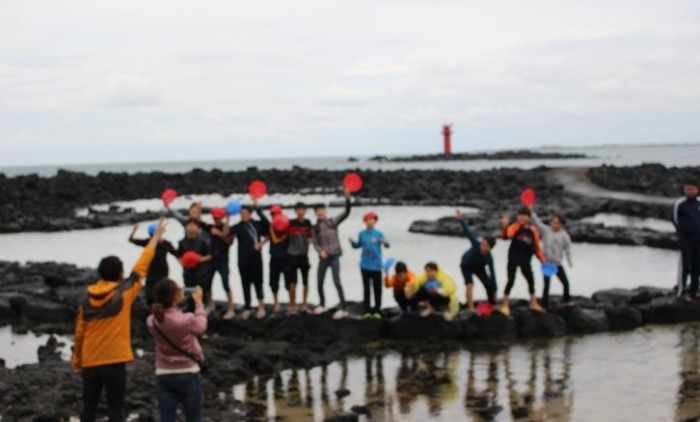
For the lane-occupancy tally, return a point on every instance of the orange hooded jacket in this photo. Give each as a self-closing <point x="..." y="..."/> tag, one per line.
<point x="103" y="328"/>
<point x="509" y="233"/>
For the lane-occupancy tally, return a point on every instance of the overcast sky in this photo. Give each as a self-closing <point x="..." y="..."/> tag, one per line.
<point x="89" y="81"/>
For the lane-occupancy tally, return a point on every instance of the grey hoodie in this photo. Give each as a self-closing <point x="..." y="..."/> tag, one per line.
<point x="325" y="232"/>
<point x="554" y="244"/>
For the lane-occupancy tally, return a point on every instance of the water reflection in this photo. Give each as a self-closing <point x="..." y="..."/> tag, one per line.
<point x="523" y="383"/>
<point x="689" y="388"/>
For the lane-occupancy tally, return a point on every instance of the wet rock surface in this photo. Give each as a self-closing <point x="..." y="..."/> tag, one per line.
<point x="239" y="350"/>
<point x="650" y="179"/>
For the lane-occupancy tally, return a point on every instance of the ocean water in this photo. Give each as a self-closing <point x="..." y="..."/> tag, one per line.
<point x="623" y="155"/>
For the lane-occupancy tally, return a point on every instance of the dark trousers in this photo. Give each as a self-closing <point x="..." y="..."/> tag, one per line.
<point x="300" y="264"/>
<point x="372" y="280"/>
<point x="185" y="389"/>
<point x="222" y="268"/>
<point x="251" y="275"/>
<point x="437" y="301"/>
<point x="561" y="275"/>
<point x="487" y="281"/>
<point x="405" y="304"/>
<point x="279" y="268"/>
<point x="526" y="269"/>
<point x="150" y="284"/>
<point x="113" y="379"/>
<point x="332" y="262"/>
<point x="690" y="254"/>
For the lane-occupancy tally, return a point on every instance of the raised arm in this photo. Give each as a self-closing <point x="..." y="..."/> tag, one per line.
<point x="538" y="223"/>
<point x="346" y="212"/>
<point x="465" y="228"/>
<point x="177" y="215"/>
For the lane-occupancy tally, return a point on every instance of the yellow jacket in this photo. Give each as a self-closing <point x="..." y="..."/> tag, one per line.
<point x="103" y="328"/>
<point x="447" y="284"/>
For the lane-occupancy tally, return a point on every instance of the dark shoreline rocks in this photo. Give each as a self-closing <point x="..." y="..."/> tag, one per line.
<point x="522" y="154"/>
<point x="579" y="232"/>
<point x="650" y="179"/>
<point x="42" y="297"/>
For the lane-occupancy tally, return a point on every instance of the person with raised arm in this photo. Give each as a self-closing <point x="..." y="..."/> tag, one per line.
<point x="102" y="342"/>
<point x="178" y="354"/>
<point x="556" y="243"/>
<point x="159" y="265"/>
<point x="327" y="244"/>
<point x="525" y="242"/>
<point x="478" y="261"/>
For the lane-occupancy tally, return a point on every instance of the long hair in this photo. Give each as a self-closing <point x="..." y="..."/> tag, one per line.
<point x="164" y="293"/>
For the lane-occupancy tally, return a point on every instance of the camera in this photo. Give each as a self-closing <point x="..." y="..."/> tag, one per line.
<point x="187" y="292"/>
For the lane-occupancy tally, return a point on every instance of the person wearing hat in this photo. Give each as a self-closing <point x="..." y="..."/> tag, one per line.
<point x="279" y="243"/>
<point x="371" y="241"/>
<point x="220" y="243"/>
<point x="478" y="261"/>
<point x="158" y="269"/>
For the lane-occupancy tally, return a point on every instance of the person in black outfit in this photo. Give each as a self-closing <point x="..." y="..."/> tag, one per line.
<point x="251" y="235"/>
<point x="686" y="218"/>
<point x="220" y="244"/>
<point x="158" y="269"/>
<point x="196" y="276"/>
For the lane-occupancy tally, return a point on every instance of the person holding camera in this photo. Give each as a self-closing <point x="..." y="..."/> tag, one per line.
<point x="178" y="354"/>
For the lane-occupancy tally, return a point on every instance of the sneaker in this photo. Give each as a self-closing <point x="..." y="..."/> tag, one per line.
<point x="245" y="315"/>
<point x="340" y="314"/>
<point x="229" y="315"/>
<point x="448" y="316"/>
<point x="377" y="315"/>
<point x="505" y="310"/>
<point x="319" y="310"/>
<point x="367" y="315"/>
<point x="537" y="308"/>
<point x="260" y="314"/>
<point x="425" y="313"/>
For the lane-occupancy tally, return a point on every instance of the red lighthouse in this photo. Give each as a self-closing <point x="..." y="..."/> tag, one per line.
<point x="447" y="134"/>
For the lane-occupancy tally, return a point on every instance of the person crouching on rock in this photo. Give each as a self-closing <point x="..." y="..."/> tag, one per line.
<point x="178" y="353"/>
<point x="524" y="244"/>
<point x="402" y="277"/>
<point x="159" y="265"/>
<point x="102" y="344"/>
<point x="436" y="290"/>
<point x="371" y="242"/>
<point x="196" y="274"/>
<point x="478" y="261"/>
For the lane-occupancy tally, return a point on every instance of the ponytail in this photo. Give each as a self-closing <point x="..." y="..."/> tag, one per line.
<point x="164" y="292"/>
<point x="157" y="312"/>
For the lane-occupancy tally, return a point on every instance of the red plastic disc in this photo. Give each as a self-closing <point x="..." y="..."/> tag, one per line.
<point x="352" y="182"/>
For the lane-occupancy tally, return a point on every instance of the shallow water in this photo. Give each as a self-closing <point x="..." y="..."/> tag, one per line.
<point x="649" y="374"/>
<point x="19" y="349"/>
<point x="595" y="266"/>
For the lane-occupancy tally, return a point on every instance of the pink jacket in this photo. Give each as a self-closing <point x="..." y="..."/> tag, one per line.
<point x="182" y="329"/>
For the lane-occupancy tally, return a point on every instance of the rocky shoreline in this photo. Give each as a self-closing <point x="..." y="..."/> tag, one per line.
<point x="490" y="156"/>
<point x="650" y="179"/>
<point x="43" y="296"/>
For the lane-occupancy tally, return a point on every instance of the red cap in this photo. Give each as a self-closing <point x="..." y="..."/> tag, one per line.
<point x="218" y="213"/>
<point x="369" y="216"/>
<point x="275" y="209"/>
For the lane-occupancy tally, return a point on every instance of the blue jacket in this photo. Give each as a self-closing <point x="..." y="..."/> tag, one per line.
<point x="686" y="218"/>
<point x="370" y="242"/>
<point x="473" y="258"/>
